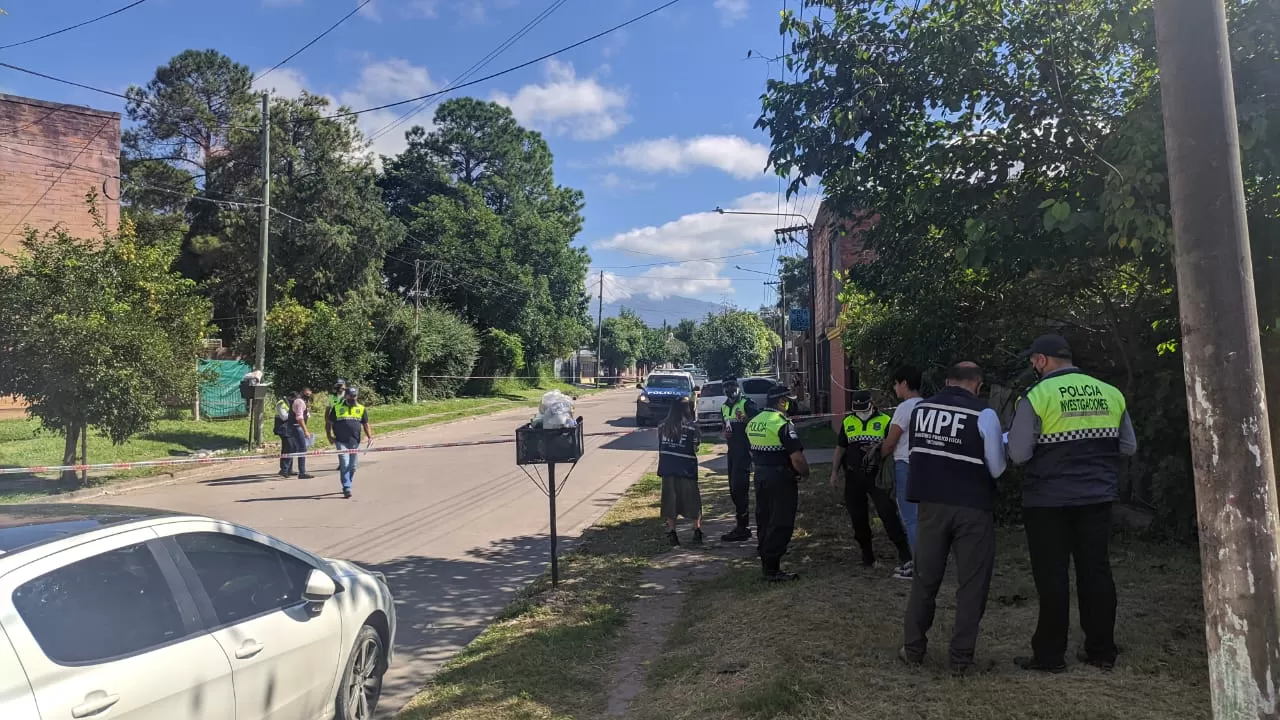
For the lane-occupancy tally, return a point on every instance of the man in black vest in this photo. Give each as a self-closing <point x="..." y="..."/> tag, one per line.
<point x="957" y="452"/>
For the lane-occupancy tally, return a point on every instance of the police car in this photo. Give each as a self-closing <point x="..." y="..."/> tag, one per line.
<point x="658" y="391"/>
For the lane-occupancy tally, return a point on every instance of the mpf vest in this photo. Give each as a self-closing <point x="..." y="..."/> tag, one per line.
<point x="948" y="463"/>
<point x="1077" y="458"/>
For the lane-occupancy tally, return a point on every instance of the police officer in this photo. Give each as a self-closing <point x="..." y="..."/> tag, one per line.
<point x="737" y="411"/>
<point x="281" y="430"/>
<point x="780" y="463"/>
<point x="1072" y="432"/>
<point x="339" y="390"/>
<point x="858" y="452"/>
<point x="956" y="455"/>
<point x="349" y="419"/>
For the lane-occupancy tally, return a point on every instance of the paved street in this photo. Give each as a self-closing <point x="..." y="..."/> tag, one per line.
<point x="457" y="531"/>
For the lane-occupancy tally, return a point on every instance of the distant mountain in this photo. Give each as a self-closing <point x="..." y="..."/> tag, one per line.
<point x="653" y="311"/>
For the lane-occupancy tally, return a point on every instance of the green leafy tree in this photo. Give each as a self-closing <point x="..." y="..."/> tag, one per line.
<point x="98" y="332"/>
<point x="684" y="330"/>
<point x="733" y="343"/>
<point x="622" y="341"/>
<point x="310" y="346"/>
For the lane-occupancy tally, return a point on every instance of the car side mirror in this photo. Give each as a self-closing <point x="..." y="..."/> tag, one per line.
<point x="319" y="588"/>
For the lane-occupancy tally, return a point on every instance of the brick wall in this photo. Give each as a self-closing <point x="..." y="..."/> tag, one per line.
<point x="834" y="251"/>
<point x="38" y="140"/>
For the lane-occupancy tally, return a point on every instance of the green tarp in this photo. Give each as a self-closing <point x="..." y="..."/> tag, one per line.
<point x="220" y="395"/>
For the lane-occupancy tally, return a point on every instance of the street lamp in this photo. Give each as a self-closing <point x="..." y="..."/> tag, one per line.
<point x="787" y="234"/>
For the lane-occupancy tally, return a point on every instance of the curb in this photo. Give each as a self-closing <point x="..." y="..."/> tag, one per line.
<point x="173" y="478"/>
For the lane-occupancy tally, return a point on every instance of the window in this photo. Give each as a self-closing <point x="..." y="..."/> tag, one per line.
<point x="243" y="578"/>
<point x="714" y="389"/>
<point x="757" y="386"/>
<point x="668" y="382"/>
<point x="107" y="606"/>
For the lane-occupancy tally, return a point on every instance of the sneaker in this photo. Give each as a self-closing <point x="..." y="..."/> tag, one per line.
<point x="306" y="476"/>
<point x="781" y="576"/>
<point x="346" y="494"/>
<point x="673" y="538"/>
<point x="905" y="571"/>
<point x="1034" y="665"/>
<point x="1101" y="663"/>
<point x="907" y="658"/>
<point x="697" y="536"/>
<point x="738" y="534"/>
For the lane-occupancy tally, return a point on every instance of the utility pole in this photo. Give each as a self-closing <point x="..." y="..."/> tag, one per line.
<point x="417" y="310"/>
<point x="600" y="331"/>
<point x="1231" y="449"/>
<point x="788" y="232"/>
<point x="260" y="353"/>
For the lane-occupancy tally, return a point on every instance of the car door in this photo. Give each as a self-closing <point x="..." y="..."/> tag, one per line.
<point x="284" y="653"/>
<point x="108" y="629"/>
<point x="17" y="701"/>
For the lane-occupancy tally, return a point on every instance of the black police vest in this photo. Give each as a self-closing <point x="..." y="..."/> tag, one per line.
<point x="947" y="452"/>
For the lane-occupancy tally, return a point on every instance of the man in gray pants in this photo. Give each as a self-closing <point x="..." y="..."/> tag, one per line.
<point x="957" y="452"/>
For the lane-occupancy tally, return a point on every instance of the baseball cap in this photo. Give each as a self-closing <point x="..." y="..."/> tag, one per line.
<point x="780" y="391"/>
<point x="1054" y="346"/>
<point x="339" y="383"/>
<point x="352" y="391"/>
<point x="861" y="400"/>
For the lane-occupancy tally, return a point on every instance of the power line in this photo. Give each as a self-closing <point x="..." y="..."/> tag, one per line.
<point x="313" y="40"/>
<point x="90" y="21"/>
<point x="475" y="67"/>
<point x="500" y="73"/>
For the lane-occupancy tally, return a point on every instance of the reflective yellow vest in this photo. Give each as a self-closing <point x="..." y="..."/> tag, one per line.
<point x="343" y="411"/>
<point x="872" y="430"/>
<point x="1073" y="406"/>
<point x="763" y="432"/>
<point x="736" y="412"/>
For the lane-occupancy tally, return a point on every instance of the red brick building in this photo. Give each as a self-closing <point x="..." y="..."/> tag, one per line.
<point x="837" y="244"/>
<point x="51" y="154"/>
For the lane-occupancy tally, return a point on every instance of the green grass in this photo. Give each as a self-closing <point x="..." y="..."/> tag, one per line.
<point x="24" y="444"/>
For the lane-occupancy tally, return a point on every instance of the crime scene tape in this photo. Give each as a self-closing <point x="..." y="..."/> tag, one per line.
<point x="222" y="459"/>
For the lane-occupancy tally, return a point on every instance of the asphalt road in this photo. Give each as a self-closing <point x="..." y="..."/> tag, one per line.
<point x="457" y="531"/>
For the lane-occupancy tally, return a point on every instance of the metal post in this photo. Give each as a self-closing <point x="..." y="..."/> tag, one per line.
<point x="813" y="323"/>
<point x="782" y="363"/>
<point x="1230" y="444"/>
<point x="260" y="353"/>
<point x="551" y="493"/>
<point x="417" y="310"/>
<point x="600" y="331"/>
<point x="84" y="453"/>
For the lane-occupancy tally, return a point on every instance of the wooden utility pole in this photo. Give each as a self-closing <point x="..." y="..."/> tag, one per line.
<point x="260" y="353"/>
<point x="1226" y="400"/>
<point x="417" y="310"/>
<point x="600" y="331"/>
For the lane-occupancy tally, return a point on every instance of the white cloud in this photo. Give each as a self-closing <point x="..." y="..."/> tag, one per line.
<point x="734" y="155"/>
<point x="283" y="82"/>
<point x="568" y="104"/>
<point x="427" y="9"/>
<point x="687" y="279"/>
<point x="619" y="185"/>
<point x="731" y="11"/>
<point x="705" y="234"/>
<point x="388" y="81"/>
<point x="371" y="11"/>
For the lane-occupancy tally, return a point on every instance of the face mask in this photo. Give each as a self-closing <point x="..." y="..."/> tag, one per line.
<point x="863" y="414"/>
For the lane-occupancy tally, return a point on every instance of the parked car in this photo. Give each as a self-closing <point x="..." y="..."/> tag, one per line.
<point x="699" y="375"/>
<point x="138" y="614"/>
<point x="658" y="391"/>
<point x="712" y="398"/>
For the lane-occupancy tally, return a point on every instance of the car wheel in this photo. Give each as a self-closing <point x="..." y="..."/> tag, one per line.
<point x="362" y="680"/>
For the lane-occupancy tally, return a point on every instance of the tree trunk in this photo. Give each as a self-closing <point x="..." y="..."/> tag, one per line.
<point x="69" y="453"/>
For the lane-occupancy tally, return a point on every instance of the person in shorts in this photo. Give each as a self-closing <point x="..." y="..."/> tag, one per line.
<point x="678" y="440"/>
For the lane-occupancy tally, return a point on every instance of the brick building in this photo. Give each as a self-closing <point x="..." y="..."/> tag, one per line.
<point x="838" y="244"/>
<point x="51" y="154"/>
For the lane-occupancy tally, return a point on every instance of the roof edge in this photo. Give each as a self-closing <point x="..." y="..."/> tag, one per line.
<point x="65" y="107"/>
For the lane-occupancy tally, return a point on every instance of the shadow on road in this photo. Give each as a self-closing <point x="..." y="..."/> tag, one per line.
<point x="319" y="496"/>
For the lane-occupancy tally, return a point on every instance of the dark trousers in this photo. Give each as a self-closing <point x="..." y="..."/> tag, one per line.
<point x="296" y="440"/>
<point x="740" y="483"/>
<point x="777" y="496"/>
<point x="1055" y="536"/>
<point x="286" y="463"/>
<point x="857" y="490"/>
<point x="971" y="535"/>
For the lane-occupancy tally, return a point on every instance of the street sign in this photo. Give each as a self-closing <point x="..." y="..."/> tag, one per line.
<point x="799" y="319"/>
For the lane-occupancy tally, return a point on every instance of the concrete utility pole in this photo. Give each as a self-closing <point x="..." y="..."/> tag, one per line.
<point x="788" y="232"/>
<point x="1230" y="443"/>
<point x="600" y="331"/>
<point x="260" y="354"/>
<point x="417" y="310"/>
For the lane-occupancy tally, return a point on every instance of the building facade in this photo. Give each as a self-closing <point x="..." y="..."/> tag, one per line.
<point x="837" y="244"/>
<point x="51" y="156"/>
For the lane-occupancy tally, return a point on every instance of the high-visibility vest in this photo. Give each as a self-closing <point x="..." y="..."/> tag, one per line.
<point x="737" y="412"/>
<point x="764" y="429"/>
<point x="871" y="430"/>
<point x="343" y="411"/>
<point x="1074" y="407"/>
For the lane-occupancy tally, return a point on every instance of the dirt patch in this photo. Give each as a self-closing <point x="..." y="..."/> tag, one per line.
<point x="658" y="604"/>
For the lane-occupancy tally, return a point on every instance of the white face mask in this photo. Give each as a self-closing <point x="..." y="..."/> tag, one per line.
<point x="863" y="414"/>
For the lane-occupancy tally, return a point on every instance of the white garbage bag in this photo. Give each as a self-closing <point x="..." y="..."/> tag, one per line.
<point x="556" y="410"/>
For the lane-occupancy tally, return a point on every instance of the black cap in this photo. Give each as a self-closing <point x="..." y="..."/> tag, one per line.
<point x="339" y="383"/>
<point x="730" y="379"/>
<point x="1054" y="346"/>
<point x="861" y="400"/>
<point x="778" y="392"/>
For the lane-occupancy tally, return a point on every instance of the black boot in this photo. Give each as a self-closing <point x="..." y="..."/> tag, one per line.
<point x="673" y="538"/>
<point x="741" y="533"/>
<point x="697" y="536"/>
<point x="868" y="556"/>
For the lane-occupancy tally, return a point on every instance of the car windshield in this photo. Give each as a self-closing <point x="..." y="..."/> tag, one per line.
<point x="712" y="390"/>
<point x="668" y="382"/>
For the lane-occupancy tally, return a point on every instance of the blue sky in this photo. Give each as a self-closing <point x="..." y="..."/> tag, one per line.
<point x="653" y="123"/>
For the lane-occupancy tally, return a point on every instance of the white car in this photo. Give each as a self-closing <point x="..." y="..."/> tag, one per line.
<point x="135" y="614"/>
<point x="712" y="398"/>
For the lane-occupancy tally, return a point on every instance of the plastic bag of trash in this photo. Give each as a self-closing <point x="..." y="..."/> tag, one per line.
<point x="556" y="410"/>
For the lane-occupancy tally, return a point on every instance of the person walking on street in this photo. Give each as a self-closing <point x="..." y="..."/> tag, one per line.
<point x="296" y="427"/>
<point x="281" y="429"/>
<point x="1072" y="432"/>
<point x="737" y="411"/>
<point x="957" y="452"/>
<point x="906" y="385"/>
<point x="678" y="440"/>
<point x="336" y="399"/>
<point x="858" y="448"/>
<point x="349" y="419"/>
<point x="780" y="463"/>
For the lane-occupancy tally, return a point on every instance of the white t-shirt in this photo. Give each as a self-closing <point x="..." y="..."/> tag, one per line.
<point x="902" y="418"/>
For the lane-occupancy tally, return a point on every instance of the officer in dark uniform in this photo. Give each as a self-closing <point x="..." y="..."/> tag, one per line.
<point x="858" y="453"/>
<point x="780" y="464"/>
<point x="737" y="411"/>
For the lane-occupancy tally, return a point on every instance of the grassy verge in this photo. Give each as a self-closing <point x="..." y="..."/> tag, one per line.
<point x="823" y="647"/>
<point x="24" y="444"/>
